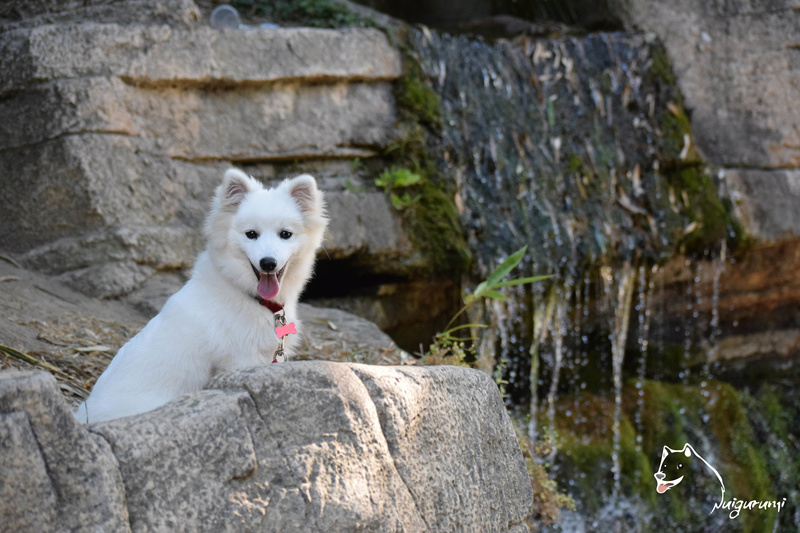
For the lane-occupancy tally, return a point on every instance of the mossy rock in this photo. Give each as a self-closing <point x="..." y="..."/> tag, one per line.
<point x="655" y="414"/>
<point x="710" y="218"/>
<point x="583" y="429"/>
<point x="432" y="218"/>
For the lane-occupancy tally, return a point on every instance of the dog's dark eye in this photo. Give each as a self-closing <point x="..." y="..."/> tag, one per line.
<point x="251" y="234"/>
<point x="285" y="234"/>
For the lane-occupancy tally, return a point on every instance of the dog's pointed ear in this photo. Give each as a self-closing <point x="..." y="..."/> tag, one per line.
<point x="235" y="186"/>
<point x="303" y="189"/>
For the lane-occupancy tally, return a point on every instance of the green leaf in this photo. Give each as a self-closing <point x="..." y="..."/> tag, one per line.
<point x="480" y="289"/>
<point x="463" y="326"/>
<point x="495" y="295"/>
<point x="506" y="266"/>
<point x="403" y="177"/>
<point x="397" y="202"/>
<point x="522" y="281"/>
<point x="487" y="289"/>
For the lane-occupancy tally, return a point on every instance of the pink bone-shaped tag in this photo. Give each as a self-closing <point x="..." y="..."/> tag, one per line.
<point x="282" y="331"/>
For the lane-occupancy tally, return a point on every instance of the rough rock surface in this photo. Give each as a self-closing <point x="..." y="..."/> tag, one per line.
<point x="737" y="65"/>
<point x="304" y="446"/>
<point x="53" y="478"/>
<point x="113" y="135"/>
<point x="44" y="318"/>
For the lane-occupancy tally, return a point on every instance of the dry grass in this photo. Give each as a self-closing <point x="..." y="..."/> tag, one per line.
<point x="82" y="348"/>
<point x="548" y="500"/>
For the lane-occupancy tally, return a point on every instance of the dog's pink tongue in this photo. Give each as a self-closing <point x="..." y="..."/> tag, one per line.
<point x="268" y="286"/>
<point x="662" y="488"/>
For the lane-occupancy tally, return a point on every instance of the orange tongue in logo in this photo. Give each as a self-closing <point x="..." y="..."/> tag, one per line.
<point x="662" y="488"/>
<point x="268" y="286"/>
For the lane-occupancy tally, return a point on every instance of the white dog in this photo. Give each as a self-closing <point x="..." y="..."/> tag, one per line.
<point x="261" y="245"/>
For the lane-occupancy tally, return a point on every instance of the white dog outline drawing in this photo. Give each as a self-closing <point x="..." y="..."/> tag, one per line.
<point x="675" y="467"/>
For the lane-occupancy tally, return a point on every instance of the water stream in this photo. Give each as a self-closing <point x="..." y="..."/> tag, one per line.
<point x="570" y="146"/>
<point x="622" y="285"/>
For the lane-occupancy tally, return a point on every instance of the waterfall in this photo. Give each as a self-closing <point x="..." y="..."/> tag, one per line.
<point x="625" y="283"/>
<point x="563" y="145"/>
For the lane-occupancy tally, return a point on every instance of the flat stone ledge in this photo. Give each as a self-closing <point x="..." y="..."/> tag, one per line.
<point x="766" y="201"/>
<point x="164" y="56"/>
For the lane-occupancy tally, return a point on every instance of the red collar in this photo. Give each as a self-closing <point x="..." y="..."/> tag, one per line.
<point x="273" y="306"/>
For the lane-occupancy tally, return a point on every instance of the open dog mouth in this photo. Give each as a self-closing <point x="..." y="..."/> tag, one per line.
<point x="663" y="486"/>
<point x="269" y="284"/>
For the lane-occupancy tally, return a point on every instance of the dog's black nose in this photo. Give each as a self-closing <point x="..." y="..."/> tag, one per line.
<point x="268" y="264"/>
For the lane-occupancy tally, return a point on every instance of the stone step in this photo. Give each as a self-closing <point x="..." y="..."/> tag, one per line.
<point x="285" y="121"/>
<point x="164" y="56"/>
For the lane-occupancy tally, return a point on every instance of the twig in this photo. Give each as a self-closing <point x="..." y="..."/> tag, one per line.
<point x="51" y="293"/>
<point x="22" y="356"/>
<point x="10" y="260"/>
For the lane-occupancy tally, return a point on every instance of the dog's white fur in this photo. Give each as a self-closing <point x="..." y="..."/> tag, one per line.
<point x="215" y="323"/>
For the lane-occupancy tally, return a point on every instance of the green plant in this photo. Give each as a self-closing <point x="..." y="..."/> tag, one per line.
<point x="394" y="179"/>
<point x="449" y="348"/>
<point x="548" y="500"/>
<point x="447" y="345"/>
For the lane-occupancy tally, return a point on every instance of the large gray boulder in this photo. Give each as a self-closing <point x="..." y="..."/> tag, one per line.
<point x="304" y="446"/>
<point x="54" y="477"/>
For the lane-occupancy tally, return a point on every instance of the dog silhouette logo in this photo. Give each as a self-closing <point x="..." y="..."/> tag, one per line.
<point x="677" y="464"/>
<point x="687" y="465"/>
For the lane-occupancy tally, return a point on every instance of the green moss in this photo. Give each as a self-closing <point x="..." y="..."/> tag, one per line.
<point x="668" y="415"/>
<point x="417" y="100"/>
<point x="430" y="215"/>
<point x="771" y="411"/>
<point x="676" y="414"/>
<point x="583" y="435"/>
<point x="660" y="68"/>
<point x="574" y="163"/>
<point x="746" y="470"/>
<point x="709" y="219"/>
<point x="436" y="229"/>
<point x="703" y="219"/>
<point x="678" y="147"/>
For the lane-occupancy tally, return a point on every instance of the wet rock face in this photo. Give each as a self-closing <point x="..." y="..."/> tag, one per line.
<point x="305" y="446"/>
<point x="576" y="146"/>
<point x="734" y="61"/>
<point x="735" y="65"/>
<point x="737" y="69"/>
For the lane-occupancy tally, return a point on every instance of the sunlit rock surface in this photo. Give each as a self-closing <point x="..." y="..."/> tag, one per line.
<point x="306" y="446"/>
